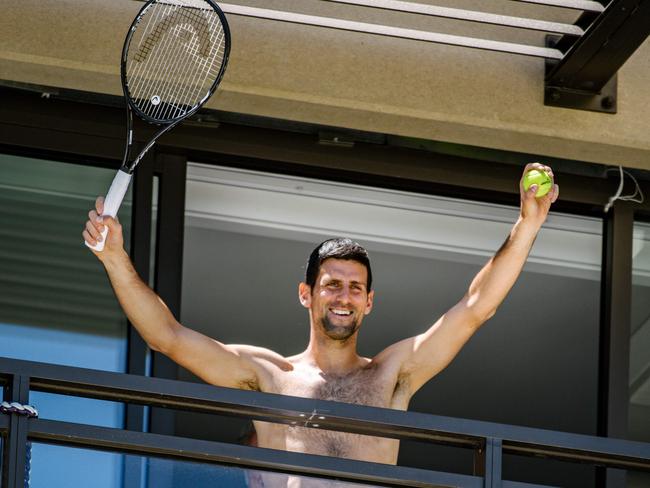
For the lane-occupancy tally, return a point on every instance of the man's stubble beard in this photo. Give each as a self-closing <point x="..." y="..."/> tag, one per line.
<point x="339" y="332"/>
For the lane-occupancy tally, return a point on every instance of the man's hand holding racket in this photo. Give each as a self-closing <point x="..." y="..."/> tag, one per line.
<point x="92" y="233"/>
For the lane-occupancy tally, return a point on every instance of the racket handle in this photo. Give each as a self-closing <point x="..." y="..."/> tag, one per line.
<point x="112" y="203"/>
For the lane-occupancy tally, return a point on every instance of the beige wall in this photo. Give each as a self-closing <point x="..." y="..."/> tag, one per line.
<point x="352" y="80"/>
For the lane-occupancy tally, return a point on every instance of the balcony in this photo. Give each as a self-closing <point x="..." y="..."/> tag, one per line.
<point x="488" y="441"/>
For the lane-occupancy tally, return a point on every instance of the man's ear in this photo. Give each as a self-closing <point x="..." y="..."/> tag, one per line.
<point x="304" y="294"/>
<point x="369" y="302"/>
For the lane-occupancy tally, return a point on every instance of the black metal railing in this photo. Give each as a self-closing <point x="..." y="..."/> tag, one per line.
<point x="489" y="441"/>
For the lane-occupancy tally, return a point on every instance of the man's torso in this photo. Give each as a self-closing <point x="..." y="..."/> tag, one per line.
<point x="373" y="384"/>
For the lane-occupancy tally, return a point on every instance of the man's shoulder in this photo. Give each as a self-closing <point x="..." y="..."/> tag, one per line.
<point x="394" y="354"/>
<point x="262" y="354"/>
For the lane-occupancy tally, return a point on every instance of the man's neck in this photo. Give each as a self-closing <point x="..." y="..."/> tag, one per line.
<point x="332" y="356"/>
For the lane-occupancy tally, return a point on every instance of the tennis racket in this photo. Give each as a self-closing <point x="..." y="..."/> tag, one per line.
<point x="173" y="59"/>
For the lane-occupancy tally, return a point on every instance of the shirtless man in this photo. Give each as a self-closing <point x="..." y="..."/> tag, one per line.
<point x="338" y="294"/>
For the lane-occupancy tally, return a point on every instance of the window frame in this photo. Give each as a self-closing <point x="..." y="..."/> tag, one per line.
<point x="49" y="128"/>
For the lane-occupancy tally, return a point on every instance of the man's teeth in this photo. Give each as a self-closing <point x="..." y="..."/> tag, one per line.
<point x="342" y="312"/>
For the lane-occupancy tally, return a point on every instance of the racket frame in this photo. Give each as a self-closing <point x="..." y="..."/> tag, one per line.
<point x="122" y="179"/>
<point x="127" y="166"/>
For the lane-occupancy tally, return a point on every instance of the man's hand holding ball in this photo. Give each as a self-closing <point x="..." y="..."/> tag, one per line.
<point x="540" y="178"/>
<point x="538" y="191"/>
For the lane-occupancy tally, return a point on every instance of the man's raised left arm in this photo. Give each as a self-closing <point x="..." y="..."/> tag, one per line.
<point x="423" y="356"/>
<point x="492" y="284"/>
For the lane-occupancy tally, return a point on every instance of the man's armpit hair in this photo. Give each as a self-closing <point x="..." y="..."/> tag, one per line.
<point x="249" y="385"/>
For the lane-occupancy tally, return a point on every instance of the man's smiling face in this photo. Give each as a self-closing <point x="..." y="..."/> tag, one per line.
<point x="339" y="299"/>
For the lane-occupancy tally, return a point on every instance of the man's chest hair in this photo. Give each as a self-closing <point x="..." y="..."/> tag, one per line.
<point x="367" y="386"/>
<point x="363" y="387"/>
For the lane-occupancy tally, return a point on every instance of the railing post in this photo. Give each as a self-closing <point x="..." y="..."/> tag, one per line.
<point x="16" y="445"/>
<point x="488" y="461"/>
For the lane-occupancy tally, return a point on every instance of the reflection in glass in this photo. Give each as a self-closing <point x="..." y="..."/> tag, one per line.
<point x="535" y="363"/>
<point x="56" y="304"/>
<point x="101" y="413"/>
<point x="159" y="472"/>
<point x="639" y="407"/>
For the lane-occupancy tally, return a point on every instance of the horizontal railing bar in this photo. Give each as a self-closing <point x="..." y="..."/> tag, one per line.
<point x="614" y="453"/>
<point x="397" y="32"/>
<point x="228" y="401"/>
<point x="467" y="15"/>
<point x="585" y="456"/>
<point x="585" y="5"/>
<point x="248" y="457"/>
<point x="338" y="416"/>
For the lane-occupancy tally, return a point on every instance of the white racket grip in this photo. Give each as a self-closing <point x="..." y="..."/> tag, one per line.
<point x="112" y="203"/>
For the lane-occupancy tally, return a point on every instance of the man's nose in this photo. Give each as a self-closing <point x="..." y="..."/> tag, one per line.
<point x="344" y="294"/>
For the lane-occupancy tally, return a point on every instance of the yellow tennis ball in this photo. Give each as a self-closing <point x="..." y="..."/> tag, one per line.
<point x="539" y="178"/>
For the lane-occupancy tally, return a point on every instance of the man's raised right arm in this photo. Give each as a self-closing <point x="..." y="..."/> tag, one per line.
<point x="234" y="366"/>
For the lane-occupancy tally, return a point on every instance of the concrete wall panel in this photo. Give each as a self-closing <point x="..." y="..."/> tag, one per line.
<point x="353" y="80"/>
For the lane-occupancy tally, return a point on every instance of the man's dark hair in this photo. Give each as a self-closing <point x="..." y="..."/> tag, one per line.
<point x="338" y="248"/>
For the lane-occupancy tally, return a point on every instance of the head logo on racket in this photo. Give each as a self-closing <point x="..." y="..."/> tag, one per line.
<point x="185" y="26"/>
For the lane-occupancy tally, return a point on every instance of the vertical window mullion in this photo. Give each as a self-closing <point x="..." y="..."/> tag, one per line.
<point x="136" y="416"/>
<point x="169" y="263"/>
<point x="616" y="297"/>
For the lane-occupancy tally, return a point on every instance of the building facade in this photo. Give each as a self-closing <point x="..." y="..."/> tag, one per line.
<point x="415" y="149"/>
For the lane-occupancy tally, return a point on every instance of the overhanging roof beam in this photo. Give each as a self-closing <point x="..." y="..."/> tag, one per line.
<point x="583" y="5"/>
<point x="467" y="15"/>
<point x="607" y="44"/>
<point x="397" y="32"/>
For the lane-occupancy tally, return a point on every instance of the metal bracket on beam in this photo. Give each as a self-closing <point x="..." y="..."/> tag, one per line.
<point x="585" y="76"/>
<point x="605" y="101"/>
<point x="556" y="95"/>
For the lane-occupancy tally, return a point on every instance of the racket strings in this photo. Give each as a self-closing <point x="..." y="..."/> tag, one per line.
<point x="181" y="68"/>
<point x="203" y="71"/>
<point x="170" y="67"/>
<point x="148" y="78"/>
<point x="174" y="57"/>
<point x="171" y="75"/>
